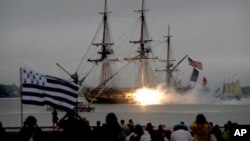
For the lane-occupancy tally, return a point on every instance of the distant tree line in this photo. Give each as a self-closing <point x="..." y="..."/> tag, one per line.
<point x="14" y="91"/>
<point x="9" y="90"/>
<point x="246" y="90"/>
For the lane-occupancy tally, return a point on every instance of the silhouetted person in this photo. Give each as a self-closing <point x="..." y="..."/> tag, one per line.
<point x="139" y="134"/>
<point x="180" y="133"/>
<point x="161" y="132"/>
<point x="217" y="132"/>
<point x="54" y="118"/>
<point x="155" y="136"/>
<point x="225" y="134"/>
<point x="124" y="130"/>
<point x="111" y="131"/>
<point x="131" y="125"/>
<point x="97" y="132"/>
<point x="74" y="127"/>
<point x="229" y="131"/>
<point x="181" y="125"/>
<point x="201" y="128"/>
<point x="3" y="134"/>
<point x="149" y="127"/>
<point x="212" y="136"/>
<point x="30" y="130"/>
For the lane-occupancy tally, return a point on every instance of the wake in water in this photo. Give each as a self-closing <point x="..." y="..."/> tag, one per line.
<point x="162" y="95"/>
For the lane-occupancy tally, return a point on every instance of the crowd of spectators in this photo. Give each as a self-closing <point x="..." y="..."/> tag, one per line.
<point x="73" y="127"/>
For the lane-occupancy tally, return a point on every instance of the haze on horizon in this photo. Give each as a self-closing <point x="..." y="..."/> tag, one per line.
<point x="41" y="33"/>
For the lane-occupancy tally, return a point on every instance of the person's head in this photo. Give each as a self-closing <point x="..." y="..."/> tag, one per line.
<point x="149" y="126"/>
<point x="71" y="114"/>
<point x="30" y="121"/>
<point x="130" y="121"/>
<point x="200" y="119"/>
<point x="229" y="123"/>
<point x="211" y="124"/>
<point x="98" y="123"/>
<point x="216" y="127"/>
<point x="122" y="121"/>
<point x="1" y="125"/>
<point x="160" y="127"/>
<point x="111" y="118"/>
<point x="138" y="129"/>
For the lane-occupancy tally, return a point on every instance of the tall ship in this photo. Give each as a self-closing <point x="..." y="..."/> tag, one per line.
<point x="108" y="90"/>
<point x="230" y="90"/>
<point x="103" y="64"/>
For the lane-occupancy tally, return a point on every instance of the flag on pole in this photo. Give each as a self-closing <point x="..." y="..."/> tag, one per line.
<point x="204" y="81"/>
<point x="196" y="64"/>
<point x="39" y="89"/>
<point x="194" y="75"/>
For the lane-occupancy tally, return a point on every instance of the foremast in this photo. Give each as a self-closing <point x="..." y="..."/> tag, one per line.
<point x="144" y="72"/>
<point x="106" y="48"/>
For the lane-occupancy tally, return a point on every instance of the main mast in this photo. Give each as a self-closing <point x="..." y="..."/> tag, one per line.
<point x="144" y="51"/>
<point x="106" y="48"/>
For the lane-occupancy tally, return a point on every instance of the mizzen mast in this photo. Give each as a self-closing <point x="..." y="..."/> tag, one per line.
<point x="169" y="64"/>
<point x="170" y="68"/>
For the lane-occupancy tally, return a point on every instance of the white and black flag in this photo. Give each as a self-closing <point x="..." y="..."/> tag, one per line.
<point x="39" y="89"/>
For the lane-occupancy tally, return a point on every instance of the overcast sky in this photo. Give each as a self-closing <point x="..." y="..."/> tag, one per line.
<point x="40" y="33"/>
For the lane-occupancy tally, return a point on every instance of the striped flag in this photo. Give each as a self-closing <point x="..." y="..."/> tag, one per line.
<point x="39" y="89"/>
<point x="195" y="64"/>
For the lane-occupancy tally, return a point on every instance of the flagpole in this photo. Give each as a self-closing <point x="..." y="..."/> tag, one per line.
<point x="21" y="97"/>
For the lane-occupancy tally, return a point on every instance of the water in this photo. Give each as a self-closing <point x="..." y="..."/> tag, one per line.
<point x="167" y="114"/>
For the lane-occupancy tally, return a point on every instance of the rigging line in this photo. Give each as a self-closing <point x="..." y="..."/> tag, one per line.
<point x="137" y="23"/>
<point x="130" y="27"/>
<point x="83" y="79"/>
<point x="100" y="92"/>
<point x="133" y="33"/>
<point x="75" y="38"/>
<point x="156" y="45"/>
<point x="146" y="29"/>
<point x="119" y="83"/>
<point x="93" y="81"/>
<point x="116" y="81"/>
<point x="125" y="36"/>
<point x="89" y="47"/>
<point x="155" y="23"/>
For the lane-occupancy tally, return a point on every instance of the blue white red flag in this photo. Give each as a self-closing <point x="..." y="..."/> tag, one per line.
<point x="194" y="75"/>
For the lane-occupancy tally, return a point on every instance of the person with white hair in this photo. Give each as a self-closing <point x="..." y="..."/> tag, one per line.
<point x="139" y="134"/>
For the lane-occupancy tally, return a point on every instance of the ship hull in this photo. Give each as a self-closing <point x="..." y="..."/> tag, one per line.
<point x="104" y="100"/>
<point x="109" y="96"/>
<point x="230" y="97"/>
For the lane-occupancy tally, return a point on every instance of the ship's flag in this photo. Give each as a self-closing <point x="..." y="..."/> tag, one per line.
<point x="194" y="75"/>
<point x="204" y="81"/>
<point x="39" y="89"/>
<point x="196" y="64"/>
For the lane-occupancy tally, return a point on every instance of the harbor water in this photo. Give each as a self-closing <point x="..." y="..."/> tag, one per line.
<point x="166" y="114"/>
